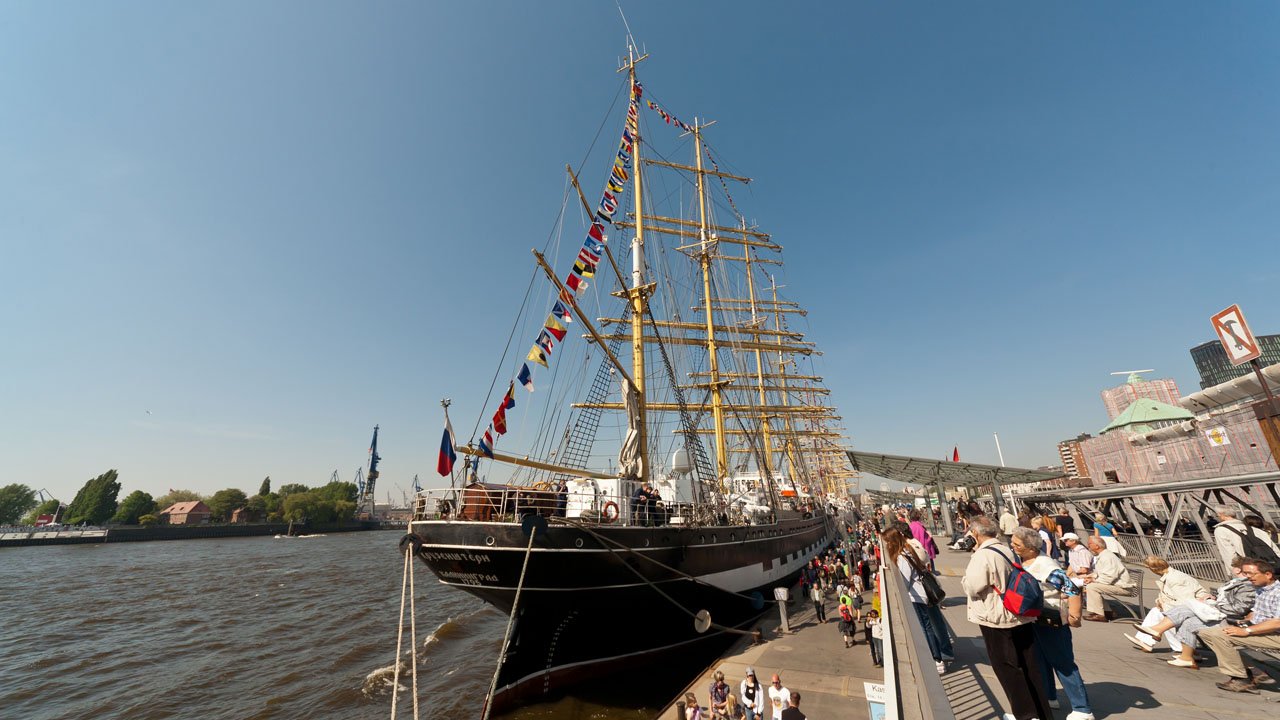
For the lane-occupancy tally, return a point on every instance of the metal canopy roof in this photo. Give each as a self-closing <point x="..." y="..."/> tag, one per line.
<point x="929" y="471"/>
<point x="1116" y="492"/>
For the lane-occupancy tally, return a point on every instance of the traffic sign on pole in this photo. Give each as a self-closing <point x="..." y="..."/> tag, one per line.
<point x="1235" y="335"/>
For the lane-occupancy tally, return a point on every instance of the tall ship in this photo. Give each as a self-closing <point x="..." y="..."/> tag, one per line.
<point x="679" y="459"/>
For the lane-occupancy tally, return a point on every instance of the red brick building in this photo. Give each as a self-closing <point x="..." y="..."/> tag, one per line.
<point x="193" y="512"/>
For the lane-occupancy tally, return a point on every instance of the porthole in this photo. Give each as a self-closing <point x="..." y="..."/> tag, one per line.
<point x="715" y="538"/>
<point x="577" y="542"/>
<point x="489" y="541"/>
<point x="702" y="539"/>
<point x="646" y="542"/>
<point x="733" y="537"/>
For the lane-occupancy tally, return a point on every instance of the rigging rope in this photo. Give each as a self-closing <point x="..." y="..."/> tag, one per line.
<point x="607" y="542"/>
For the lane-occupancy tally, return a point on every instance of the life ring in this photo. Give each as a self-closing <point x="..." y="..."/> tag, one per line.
<point x="610" y="511"/>
<point x="804" y="489"/>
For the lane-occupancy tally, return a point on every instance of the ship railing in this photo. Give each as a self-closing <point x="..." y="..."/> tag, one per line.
<point x="912" y="686"/>
<point x="483" y="502"/>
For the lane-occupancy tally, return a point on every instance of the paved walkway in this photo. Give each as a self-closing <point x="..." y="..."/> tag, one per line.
<point x="1122" y="681"/>
<point x="812" y="659"/>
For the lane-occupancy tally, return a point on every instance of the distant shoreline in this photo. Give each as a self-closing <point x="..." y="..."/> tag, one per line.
<point x="186" y="532"/>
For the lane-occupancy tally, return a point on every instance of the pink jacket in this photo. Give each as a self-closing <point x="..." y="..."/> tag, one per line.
<point x="922" y="536"/>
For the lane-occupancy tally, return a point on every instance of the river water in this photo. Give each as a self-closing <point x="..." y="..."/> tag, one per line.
<point x="248" y="628"/>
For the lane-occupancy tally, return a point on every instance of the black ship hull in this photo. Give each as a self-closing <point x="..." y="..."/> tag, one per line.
<point x="595" y="599"/>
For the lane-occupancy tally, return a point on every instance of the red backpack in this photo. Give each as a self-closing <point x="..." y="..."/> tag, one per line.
<point x="1022" y="594"/>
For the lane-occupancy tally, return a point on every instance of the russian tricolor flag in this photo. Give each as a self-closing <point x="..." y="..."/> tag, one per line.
<point x="447" y="456"/>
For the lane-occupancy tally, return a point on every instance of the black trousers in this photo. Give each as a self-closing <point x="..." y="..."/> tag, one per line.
<point x="1013" y="658"/>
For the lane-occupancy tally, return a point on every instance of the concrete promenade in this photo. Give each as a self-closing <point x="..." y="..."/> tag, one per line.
<point x="812" y="659"/>
<point x="1122" y="681"/>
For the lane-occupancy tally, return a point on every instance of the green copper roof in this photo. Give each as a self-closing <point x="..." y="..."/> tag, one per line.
<point x="1139" y="416"/>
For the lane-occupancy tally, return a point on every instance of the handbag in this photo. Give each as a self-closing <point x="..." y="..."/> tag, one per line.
<point x="1203" y="610"/>
<point x="933" y="592"/>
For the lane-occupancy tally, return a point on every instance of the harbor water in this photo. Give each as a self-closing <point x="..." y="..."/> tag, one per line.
<point x="248" y="628"/>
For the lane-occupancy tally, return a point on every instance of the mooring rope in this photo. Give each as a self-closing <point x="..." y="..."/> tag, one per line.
<point x="406" y="589"/>
<point x="395" y="677"/>
<point x="511" y="619"/>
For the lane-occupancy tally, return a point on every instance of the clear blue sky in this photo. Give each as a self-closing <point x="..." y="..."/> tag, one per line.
<point x="273" y="225"/>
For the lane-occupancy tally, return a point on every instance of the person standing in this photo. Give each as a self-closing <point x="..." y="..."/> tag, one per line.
<point x="1054" y="648"/>
<point x="1109" y="579"/>
<point x="922" y="536"/>
<point x="1009" y="639"/>
<point x="1008" y="521"/>
<point x="1262" y="630"/>
<point x="818" y="593"/>
<point x="792" y="712"/>
<point x="875" y="638"/>
<point x="779" y="697"/>
<point x="1229" y="535"/>
<point x="930" y="617"/>
<point x="752" y="694"/>
<point x="1064" y="521"/>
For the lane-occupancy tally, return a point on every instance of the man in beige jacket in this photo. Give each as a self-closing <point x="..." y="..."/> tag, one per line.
<point x="1009" y="638"/>
<point x="1110" y="578"/>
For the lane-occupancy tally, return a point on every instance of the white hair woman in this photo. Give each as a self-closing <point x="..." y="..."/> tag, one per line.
<point x="1175" y="588"/>
<point x="1053" y="636"/>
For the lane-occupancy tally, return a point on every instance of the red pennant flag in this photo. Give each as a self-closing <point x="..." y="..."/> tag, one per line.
<point x="955" y="454"/>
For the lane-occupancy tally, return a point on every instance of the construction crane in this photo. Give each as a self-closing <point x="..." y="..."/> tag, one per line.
<point x="365" y="502"/>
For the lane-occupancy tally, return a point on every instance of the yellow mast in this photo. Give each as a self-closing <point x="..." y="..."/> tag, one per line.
<point x="638" y="292"/>
<point x="765" y="422"/>
<point x="704" y="261"/>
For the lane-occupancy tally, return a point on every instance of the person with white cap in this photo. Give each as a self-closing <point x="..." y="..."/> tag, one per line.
<point x="1079" y="559"/>
<point x="751" y="693"/>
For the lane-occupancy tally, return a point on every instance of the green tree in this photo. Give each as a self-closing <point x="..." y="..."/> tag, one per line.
<point x="265" y="487"/>
<point x="14" y="501"/>
<point x="135" y="505"/>
<point x="338" y="490"/>
<point x="48" y="507"/>
<point x="177" y="496"/>
<point x="148" y="520"/>
<point x="344" y="510"/>
<point x="96" y="501"/>
<point x="224" y="502"/>
<point x="291" y="488"/>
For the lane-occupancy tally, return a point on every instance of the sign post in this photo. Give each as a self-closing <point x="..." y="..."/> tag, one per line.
<point x="1241" y="346"/>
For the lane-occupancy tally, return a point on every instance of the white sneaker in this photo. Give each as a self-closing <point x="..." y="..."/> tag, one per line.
<point x="942" y="667"/>
<point x="1055" y="704"/>
<point x="1077" y="715"/>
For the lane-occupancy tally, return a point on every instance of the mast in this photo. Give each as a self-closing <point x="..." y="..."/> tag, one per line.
<point x="788" y="446"/>
<point x="704" y="262"/>
<point x="765" y="423"/>
<point x="638" y="293"/>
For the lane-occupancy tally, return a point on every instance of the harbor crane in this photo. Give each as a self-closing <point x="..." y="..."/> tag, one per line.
<point x="365" y="501"/>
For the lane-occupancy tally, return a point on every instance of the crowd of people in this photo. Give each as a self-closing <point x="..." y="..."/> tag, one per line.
<point x="1031" y="650"/>
<point x="1031" y="578"/>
